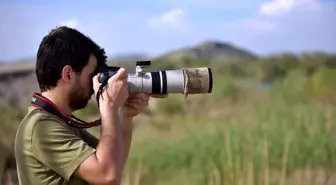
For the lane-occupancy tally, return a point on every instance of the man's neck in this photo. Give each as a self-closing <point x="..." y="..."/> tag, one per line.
<point x="59" y="100"/>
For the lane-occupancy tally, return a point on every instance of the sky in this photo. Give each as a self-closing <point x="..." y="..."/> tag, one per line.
<point x="154" y="27"/>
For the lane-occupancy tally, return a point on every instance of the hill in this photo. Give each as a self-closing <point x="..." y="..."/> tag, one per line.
<point x="17" y="67"/>
<point x="210" y="51"/>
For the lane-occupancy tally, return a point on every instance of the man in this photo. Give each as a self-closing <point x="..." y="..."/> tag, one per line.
<point x="50" y="151"/>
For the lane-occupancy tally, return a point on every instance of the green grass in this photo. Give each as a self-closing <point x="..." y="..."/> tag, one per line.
<point x="269" y="140"/>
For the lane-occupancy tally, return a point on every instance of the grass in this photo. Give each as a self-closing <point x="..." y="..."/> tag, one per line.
<point x="265" y="143"/>
<point x="239" y="138"/>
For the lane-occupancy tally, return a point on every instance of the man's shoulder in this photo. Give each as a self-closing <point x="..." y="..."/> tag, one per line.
<point x="42" y="135"/>
<point x="35" y="119"/>
<point x="35" y="116"/>
<point x="26" y="132"/>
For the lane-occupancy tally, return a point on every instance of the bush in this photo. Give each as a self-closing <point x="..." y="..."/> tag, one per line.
<point x="170" y="106"/>
<point x="225" y="87"/>
<point x="324" y="85"/>
<point x="295" y="87"/>
<point x="9" y="114"/>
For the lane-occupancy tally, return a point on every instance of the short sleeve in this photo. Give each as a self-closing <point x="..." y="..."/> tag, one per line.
<point x="58" y="147"/>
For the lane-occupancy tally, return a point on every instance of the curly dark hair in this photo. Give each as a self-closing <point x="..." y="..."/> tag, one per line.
<point x="64" y="46"/>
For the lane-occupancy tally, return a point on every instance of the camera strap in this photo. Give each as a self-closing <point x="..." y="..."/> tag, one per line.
<point x="100" y="90"/>
<point x="45" y="104"/>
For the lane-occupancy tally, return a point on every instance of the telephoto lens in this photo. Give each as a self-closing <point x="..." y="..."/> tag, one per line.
<point x="185" y="81"/>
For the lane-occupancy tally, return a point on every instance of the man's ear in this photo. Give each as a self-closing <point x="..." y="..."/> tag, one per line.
<point x="67" y="74"/>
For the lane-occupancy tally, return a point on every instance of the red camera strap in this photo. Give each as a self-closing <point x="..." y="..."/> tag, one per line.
<point x="45" y="104"/>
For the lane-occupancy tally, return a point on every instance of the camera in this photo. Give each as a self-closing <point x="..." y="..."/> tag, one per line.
<point x="185" y="81"/>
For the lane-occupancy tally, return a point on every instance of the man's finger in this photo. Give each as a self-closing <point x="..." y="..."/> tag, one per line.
<point x="135" y="95"/>
<point x="137" y="107"/>
<point x="139" y="96"/>
<point x="121" y="74"/>
<point x="138" y="102"/>
<point x="95" y="77"/>
<point x="159" y="95"/>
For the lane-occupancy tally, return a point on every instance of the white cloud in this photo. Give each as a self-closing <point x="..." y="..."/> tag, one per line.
<point x="175" y="18"/>
<point x="266" y="23"/>
<point x="302" y="26"/>
<point x="276" y="7"/>
<point x="72" y="23"/>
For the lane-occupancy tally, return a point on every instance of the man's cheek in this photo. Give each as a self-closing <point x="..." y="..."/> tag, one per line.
<point x="90" y="86"/>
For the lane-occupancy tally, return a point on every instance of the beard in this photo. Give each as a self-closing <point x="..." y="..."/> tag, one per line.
<point x="78" y="97"/>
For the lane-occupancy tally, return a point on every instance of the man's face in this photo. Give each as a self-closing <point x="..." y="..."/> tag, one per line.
<point x="82" y="91"/>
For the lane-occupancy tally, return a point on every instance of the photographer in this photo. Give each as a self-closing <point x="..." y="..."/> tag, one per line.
<point x="50" y="150"/>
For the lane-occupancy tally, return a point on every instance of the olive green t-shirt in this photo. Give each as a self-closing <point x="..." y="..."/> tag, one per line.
<point x="48" y="151"/>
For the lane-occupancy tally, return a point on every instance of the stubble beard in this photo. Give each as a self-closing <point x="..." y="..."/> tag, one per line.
<point x="77" y="98"/>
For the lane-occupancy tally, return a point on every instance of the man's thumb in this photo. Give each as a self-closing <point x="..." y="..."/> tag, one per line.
<point x="121" y="72"/>
<point x="95" y="78"/>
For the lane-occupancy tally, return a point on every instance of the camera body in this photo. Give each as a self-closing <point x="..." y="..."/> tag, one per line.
<point x="108" y="71"/>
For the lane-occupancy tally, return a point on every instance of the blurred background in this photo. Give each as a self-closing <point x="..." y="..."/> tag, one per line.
<point x="271" y="116"/>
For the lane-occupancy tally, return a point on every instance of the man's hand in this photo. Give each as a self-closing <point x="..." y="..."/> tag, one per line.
<point x="116" y="91"/>
<point x="137" y="103"/>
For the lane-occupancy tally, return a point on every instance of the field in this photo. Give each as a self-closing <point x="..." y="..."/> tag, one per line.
<point x="241" y="134"/>
<point x="246" y="143"/>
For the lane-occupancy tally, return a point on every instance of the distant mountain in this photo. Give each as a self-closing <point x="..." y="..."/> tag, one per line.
<point x="17" y="66"/>
<point x="210" y="50"/>
<point x="2" y="63"/>
<point x="129" y="57"/>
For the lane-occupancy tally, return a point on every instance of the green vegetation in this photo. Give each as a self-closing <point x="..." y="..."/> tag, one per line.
<point x="247" y="142"/>
<point x="270" y="120"/>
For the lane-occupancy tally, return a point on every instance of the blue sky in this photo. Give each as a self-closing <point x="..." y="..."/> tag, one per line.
<point x="154" y="27"/>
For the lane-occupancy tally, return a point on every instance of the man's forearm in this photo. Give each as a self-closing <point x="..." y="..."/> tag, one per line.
<point x="127" y="125"/>
<point x="127" y="131"/>
<point x="110" y="149"/>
